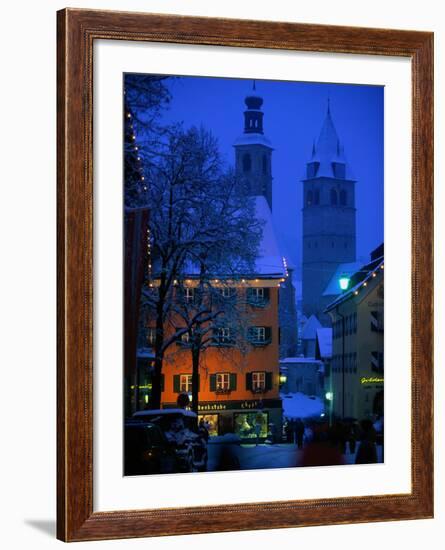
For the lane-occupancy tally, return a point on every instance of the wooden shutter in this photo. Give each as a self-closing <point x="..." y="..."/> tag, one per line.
<point x="176" y="383"/>
<point x="248" y="380"/>
<point x="232" y="381"/>
<point x="213" y="382"/>
<point x="269" y="380"/>
<point x="268" y="334"/>
<point x="267" y="294"/>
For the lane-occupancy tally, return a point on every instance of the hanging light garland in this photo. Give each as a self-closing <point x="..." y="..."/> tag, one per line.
<point x="143" y="190"/>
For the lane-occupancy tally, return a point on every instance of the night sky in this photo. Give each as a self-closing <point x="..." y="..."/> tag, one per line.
<point x="293" y="116"/>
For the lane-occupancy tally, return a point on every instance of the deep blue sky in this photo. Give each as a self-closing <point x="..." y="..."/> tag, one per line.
<point x="293" y="116"/>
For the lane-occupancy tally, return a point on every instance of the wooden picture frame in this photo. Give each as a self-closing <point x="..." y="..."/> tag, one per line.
<point x="77" y="31"/>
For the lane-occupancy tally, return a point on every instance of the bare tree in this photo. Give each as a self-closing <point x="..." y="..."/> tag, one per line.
<point x="201" y="223"/>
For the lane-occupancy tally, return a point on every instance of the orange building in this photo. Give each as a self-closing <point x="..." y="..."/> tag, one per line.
<point x="238" y="386"/>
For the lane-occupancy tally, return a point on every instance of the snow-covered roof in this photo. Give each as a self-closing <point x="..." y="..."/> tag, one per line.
<point x="361" y="288"/>
<point x="299" y="405"/>
<point x="270" y="260"/>
<point x="299" y="360"/>
<point x="253" y="139"/>
<point x="328" y="150"/>
<point x="324" y="338"/>
<point x="145" y="353"/>
<point x="348" y="269"/>
<point x="309" y="331"/>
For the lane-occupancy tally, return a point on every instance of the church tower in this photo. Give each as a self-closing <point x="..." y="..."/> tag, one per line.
<point x="253" y="151"/>
<point x="329" y="232"/>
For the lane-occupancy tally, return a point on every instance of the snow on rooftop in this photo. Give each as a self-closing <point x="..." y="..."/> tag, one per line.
<point x="270" y="261"/>
<point x="324" y="337"/>
<point x="309" y="331"/>
<point x="252" y="139"/>
<point x="299" y="405"/>
<point x="329" y="150"/>
<point x="294" y="360"/>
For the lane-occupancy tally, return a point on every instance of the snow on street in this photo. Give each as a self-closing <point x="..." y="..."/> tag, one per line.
<point x="280" y="455"/>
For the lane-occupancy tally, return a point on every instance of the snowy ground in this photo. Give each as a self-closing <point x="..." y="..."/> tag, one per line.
<point x="280" y="455"/>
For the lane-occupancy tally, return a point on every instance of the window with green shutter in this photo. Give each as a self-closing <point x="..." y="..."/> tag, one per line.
<point x="176" y="383"/>
<point x="232" y="381"/>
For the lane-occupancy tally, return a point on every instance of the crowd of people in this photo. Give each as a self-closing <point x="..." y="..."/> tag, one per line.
<point x="324" y="445"/>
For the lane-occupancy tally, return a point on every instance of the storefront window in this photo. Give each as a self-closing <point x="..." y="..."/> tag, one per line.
<point x="251" y="425"/>
<point x="211" y="421"/>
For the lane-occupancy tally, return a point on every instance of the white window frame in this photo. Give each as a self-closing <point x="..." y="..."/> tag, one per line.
<point x="222" y="381"/>
<point x="258" y="334"/>
<point x="258" y="293"/>
<point x="225" y="291"/>
<point x="189" y="294"/>
<point x="223" y="335"/>
<point x="185" y="383"/>
<point x="258" y="380"/>
<point x="151" y="336"/>
<point x="185" y="338"/>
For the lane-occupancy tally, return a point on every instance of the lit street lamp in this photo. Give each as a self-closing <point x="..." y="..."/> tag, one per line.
<point x="343" y="282"/>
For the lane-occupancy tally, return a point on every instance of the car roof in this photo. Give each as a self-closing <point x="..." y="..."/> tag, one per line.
<point x="133" y="424"/>
<point x="164" y="412"/>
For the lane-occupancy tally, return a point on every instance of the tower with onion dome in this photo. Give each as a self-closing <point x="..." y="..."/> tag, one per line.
<point x="329" y="225"/>
<point x="253" y="151"/>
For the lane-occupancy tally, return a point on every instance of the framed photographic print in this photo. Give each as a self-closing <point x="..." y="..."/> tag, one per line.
<point x="244" y="275"/>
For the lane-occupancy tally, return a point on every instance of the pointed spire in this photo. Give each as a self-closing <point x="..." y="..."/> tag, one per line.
<point x="329" y="106"/>
<point x="254" y="84"/>
<point x="313" y="148"/>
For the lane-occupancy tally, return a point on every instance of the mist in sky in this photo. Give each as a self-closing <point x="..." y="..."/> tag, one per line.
<point x="293" y="116"/>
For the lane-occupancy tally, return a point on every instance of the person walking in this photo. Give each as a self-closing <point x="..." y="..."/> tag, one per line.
<point x="299" y="433"/>
<point x="367" y="450"/>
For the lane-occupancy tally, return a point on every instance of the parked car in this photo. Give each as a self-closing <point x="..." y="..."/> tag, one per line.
<point x="181" y="430"/>
<point x="147" y="451"/>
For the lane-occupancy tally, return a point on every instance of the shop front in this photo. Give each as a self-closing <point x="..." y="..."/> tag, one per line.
<point x="251" y="420"/>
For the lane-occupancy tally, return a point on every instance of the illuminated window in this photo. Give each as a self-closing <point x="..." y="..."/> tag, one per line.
<point x="185" y="338"/>
<point x="223" y="381"/>
<point x="258" y="381"/>
<point x="185" y="383"/>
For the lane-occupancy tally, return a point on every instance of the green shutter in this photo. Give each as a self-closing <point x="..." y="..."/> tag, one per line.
<point x="248" y="380"/>
<point x="268" y="334"/>
<point x="232" y="381"/>
<point x="176" y="383"/>
<point x="213" y="382"/>
<point x="267" y="294"/>
<point x="269" y="380"/>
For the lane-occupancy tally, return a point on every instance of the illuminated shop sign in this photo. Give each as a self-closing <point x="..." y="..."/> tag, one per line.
<point x="371" y="380"/>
